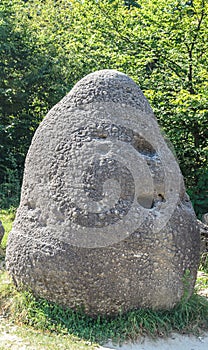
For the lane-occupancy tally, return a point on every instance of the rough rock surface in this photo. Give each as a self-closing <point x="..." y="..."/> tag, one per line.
<point x="1" y="231"/>
<point x="205" y="218"/>
<point x="104" y="220"/>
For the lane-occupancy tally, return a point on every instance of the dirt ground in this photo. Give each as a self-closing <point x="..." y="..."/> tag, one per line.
<point x="10" y="339"/>
<point x="175" y="342"/>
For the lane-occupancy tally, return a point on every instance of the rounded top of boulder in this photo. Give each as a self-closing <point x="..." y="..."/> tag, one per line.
<point x="108" y="85"/>
<point x="108" y="168"/>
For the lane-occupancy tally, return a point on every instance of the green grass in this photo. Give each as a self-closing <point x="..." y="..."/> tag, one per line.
<point x="7" y="218"/>
<point x="24" y="309"/>
<point x="17" y="329"/>
<point x="186" y="317"/>
<point x="202" y="283"/>
<point x="204" y="262"/>
<point x="24" y="337"/>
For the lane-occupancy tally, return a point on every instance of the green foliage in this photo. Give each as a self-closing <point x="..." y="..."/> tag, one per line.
<point x="199" y="193"/>
<point x="29" y="86"/>
<point x="202" y="282"/>
<point x="10" y="188"/>
<point x="131" y="3"/>
<point x="46" y="47"/>
<point x="204" y="262"/>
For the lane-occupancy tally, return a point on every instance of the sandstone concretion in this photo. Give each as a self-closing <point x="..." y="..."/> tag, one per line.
<point x="104" y="220"/>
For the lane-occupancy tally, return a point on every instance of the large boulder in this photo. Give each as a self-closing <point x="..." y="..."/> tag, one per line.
<point x="104" y="220"/>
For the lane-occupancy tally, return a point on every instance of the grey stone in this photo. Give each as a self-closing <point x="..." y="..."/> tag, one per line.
<point x="203" y="227"/>
<point x="104" y="219"/>
<point x="1" y="231"/>
<point x="205" y="218"/>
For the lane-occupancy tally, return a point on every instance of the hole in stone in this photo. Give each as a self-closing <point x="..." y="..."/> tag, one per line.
<point x="102" y="136"/>
<point x="161" y="197"/>
<point x="143" y="146"/>
<point x="153" y="204"/>
<point x="145" y="201"/>
<point x="31" y="205"/>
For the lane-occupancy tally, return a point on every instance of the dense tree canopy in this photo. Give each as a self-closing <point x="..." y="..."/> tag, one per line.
<point x="47" y="46"/>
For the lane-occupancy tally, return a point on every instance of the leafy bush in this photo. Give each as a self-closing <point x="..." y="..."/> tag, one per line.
<point x="10" y="189"/>
<point x="199" y="193"/>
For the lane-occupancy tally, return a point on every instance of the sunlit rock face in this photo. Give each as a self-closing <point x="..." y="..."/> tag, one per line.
<point x="104" y="221"/>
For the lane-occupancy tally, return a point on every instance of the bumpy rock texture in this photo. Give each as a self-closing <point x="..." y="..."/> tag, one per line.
<point x="104" y="220"/>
